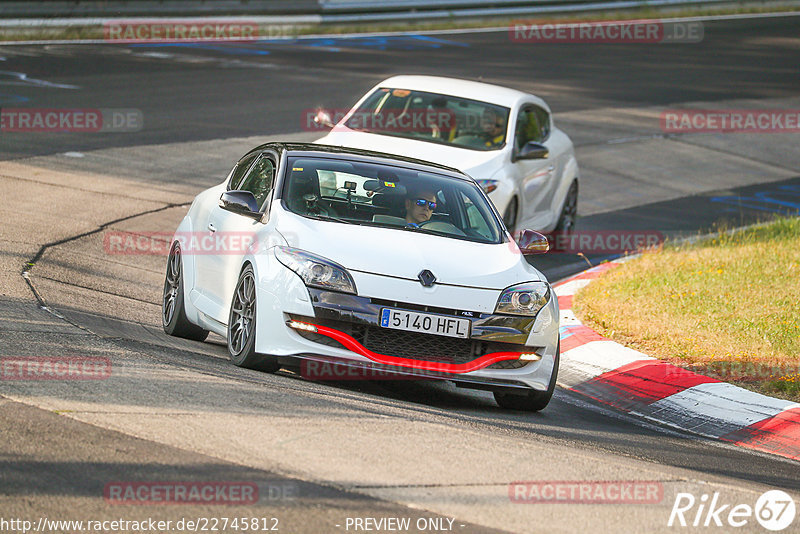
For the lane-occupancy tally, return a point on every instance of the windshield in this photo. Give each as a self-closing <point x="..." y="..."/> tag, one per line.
<point x="432" y="117"/>
<point x="390" y="197"/>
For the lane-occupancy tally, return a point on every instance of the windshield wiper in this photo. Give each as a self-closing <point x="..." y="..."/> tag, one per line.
<point x="424" y="230"/>
<point x="428" y="231"/>
<point x="329" y="218"/>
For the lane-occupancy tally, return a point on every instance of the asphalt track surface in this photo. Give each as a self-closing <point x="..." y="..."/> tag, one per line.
<point x="212" y="91"/>
<point x="197" y="95"/>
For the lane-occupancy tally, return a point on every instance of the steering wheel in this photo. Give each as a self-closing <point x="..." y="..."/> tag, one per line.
<point x="313" y="205"/>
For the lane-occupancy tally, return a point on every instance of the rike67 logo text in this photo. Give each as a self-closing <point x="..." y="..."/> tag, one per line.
<point x="774" y="510"/>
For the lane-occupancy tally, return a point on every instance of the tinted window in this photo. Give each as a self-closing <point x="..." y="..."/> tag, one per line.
<point x="240" y="170"/>
<point x="260" y="179"/>
<point x="391" y="197"/>
<point x="544" y="122"/>
<point x="477" y="220"/>
<point x="432" y="117"/>
<point x="533" y="124"/>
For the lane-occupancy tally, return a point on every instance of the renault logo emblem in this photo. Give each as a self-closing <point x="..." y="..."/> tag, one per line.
<point x="426" y="278"/>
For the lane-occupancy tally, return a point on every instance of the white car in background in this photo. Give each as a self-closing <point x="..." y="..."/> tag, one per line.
<point x="503" y="138"/>
<point x="367" y="261"/>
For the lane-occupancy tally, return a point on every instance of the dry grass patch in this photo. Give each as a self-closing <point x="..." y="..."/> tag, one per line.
<point x="727" y="307"/>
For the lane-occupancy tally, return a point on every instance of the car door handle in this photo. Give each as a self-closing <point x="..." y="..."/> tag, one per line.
<point x="551" y="168"/>
<point x="211" y="227"/>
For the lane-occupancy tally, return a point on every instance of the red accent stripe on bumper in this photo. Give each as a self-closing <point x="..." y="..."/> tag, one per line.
<point x="358" y="348"/>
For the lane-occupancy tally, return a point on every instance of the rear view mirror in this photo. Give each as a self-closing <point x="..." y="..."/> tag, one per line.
<point x="531" y="242"/>
<point x="239" y="201"/>
<point x="382" y="186"/>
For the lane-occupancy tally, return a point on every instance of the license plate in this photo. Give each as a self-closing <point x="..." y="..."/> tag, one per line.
<point x="424" y="322"/>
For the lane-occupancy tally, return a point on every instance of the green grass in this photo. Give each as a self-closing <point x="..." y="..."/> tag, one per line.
<point x="728" y="306"/>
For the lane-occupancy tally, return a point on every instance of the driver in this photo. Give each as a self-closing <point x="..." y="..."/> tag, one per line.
<point x="493" y="126"/>
<point x="419" y="206"/>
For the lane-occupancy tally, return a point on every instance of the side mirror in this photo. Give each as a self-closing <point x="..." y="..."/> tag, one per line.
<point x="532" y="150"/>
<point x="241" y="202"/>
<point x="323" y="118"/>
<point x="531" y="242"/>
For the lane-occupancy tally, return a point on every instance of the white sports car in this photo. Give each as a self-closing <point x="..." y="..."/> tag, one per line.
<point x="503" y="138"/>
<point x="368" y="261"/>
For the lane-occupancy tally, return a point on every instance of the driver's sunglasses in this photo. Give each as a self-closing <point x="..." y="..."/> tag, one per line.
<point x="422" y="203"/>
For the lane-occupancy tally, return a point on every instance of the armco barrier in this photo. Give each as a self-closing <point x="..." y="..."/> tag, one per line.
<point x="318" y="11"/>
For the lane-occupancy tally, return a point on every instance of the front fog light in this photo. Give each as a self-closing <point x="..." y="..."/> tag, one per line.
<point x="299" y="325"/>
<point x="524" y="299"/>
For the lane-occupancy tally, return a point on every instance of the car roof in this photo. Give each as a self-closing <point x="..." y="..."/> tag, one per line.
<point x="356" y="154"/>
<point x="484" y="92"/>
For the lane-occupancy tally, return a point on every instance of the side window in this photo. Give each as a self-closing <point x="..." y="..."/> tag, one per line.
<point x="260" y="179"/>
<point x="533" y="124"/>
<point x="544" y="122"/>
<point x="240" y="170"/>
<point x="477" y="223"/>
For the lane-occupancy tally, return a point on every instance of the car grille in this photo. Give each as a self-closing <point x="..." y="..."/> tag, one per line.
<point x="415" y="345"/>
<point x="509" y="364"/>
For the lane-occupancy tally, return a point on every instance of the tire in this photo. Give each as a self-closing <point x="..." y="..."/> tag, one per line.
<point x="569" y="211"/>
<point x="510" y="215"/>
<point x="173" y="313"/>
<point x="534" y="400"/>
<point x="242" y="326"/>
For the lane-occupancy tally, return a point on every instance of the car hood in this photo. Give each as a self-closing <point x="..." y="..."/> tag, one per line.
<point x="478" y="164"/>
<point x="403" y="254"/>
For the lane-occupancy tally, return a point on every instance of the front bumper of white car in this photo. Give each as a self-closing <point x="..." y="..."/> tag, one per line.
<point x="324" y="326"/>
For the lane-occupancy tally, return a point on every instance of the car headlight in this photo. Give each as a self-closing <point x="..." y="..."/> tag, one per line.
<point x="524" y="299"/>
<point x="316" y="271"/>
